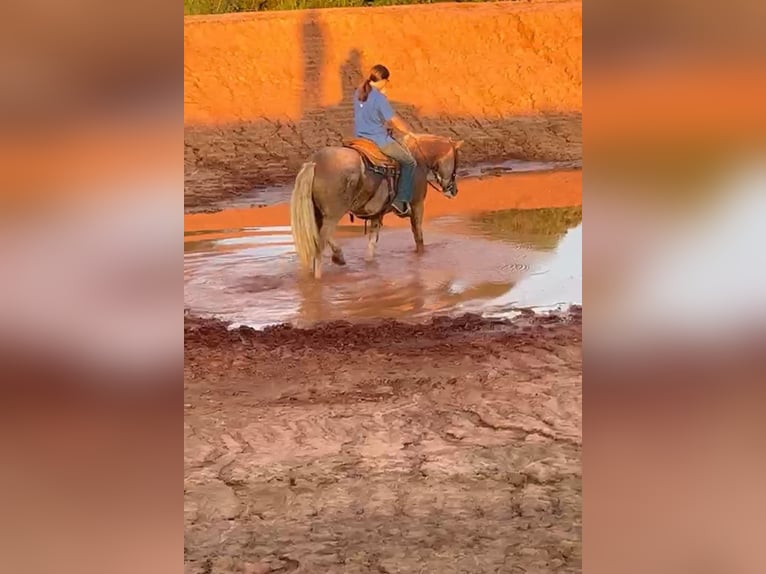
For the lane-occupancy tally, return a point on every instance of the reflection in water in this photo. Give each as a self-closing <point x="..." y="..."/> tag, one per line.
<point x="539" y="228"/>
<point x="557" y="286"/>
<point x="250" y="276"/>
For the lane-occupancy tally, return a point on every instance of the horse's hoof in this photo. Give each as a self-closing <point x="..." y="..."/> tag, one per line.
<point x="338" y="260"/>
<point x="420" y="249"/>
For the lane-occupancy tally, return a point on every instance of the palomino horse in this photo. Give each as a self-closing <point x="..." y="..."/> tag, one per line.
<point x="340" y="180"/>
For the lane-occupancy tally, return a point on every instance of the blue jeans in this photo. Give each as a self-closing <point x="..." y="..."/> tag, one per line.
<point x="407" y="164"/>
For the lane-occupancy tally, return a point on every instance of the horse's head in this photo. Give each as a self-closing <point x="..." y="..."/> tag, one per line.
<point x="445" y="170"/>
<point x="439" y="155"/>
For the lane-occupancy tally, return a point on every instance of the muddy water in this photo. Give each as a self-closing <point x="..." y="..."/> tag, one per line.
<point x="505" y="242"/>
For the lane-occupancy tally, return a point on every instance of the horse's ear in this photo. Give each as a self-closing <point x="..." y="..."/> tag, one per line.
<point x="458" y="144"/>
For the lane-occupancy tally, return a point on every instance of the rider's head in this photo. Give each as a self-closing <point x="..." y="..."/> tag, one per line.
<point x="378" y="78"/>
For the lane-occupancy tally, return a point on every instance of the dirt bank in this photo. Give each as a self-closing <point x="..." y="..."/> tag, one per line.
<point x="263" y="90"/>
<point x="447" y="447"/>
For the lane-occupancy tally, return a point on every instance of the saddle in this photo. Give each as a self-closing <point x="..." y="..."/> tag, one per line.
<point x="377" y="162"/>
<point x="372" y="154"/>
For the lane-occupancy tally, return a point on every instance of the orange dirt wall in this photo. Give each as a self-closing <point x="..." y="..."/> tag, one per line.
<point x="263" y="90"/>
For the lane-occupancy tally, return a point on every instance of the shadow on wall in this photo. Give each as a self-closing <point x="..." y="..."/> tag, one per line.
<point x="225" y="161"/>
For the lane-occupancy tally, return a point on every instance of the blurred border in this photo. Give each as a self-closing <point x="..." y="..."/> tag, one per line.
<point x="674" y="283"/>
<point x="91" y="180"/>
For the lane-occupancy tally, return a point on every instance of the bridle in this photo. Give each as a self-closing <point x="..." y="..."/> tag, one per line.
<point x="451" y="181"/>
<point x="439" y="185"/>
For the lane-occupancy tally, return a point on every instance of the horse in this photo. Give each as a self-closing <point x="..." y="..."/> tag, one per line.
<point x="352" y="179"/>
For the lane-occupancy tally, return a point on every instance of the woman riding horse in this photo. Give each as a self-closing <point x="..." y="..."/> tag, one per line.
<point x="373" y="116"/>
<point x="335" y="179"/>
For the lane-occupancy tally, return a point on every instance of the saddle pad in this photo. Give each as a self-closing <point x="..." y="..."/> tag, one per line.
<point x="372" y="152"/>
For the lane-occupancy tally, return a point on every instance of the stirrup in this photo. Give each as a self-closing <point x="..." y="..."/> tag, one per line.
<point x="402" y="213"/>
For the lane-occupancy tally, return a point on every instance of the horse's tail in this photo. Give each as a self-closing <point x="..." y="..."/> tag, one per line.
<point x="302" y="219"/>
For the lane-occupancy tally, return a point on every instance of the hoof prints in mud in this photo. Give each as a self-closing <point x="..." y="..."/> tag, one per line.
<point x="452" y="446"/>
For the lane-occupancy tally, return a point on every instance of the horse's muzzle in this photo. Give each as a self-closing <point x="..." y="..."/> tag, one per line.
<point x="450" y="191"/>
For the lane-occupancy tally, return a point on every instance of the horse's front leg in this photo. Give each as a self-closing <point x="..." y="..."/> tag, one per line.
<point x="416" y="222"/>
<point x="372" y="239"/>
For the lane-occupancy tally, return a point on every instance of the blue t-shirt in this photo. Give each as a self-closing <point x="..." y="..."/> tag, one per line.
<point x="370" y="117"/>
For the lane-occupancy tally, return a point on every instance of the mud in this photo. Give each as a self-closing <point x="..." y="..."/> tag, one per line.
<point x="450" y="446"/>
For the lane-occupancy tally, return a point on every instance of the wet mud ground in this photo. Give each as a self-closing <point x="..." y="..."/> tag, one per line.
<point x="449" y="446"/>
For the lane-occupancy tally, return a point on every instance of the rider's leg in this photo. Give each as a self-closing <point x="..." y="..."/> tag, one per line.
<point x="407" y="165"/>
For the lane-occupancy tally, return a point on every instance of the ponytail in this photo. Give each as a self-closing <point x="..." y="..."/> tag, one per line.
<point x="364" y="90"/>
<point x="378" y="73"/>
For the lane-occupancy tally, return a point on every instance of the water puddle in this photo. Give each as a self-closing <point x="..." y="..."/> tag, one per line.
<point x="505" y="242"/>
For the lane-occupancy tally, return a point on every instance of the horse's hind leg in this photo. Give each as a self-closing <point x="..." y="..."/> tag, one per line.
<point x="337" y="252"/>
<point x="326" y="238"/>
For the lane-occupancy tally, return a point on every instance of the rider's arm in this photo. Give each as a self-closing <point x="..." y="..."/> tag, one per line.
<point x="399" y="125"/>
<point x="392" y="119"/>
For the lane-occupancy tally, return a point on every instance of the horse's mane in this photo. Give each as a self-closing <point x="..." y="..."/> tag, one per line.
<point x="432" y="139"/>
